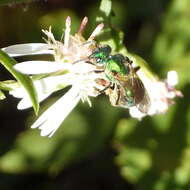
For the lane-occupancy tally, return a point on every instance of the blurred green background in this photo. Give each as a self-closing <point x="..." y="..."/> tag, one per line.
<point x="101" y="147"/>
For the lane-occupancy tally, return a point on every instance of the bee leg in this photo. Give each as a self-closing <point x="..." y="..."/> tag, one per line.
<point x="118" y="96"/>
<point x="104" y="89"/>
<point x="98" y="71"/>
<point x="89" y="62"/>
<point x="136" y="68"/>
<point x="86" y="61"/>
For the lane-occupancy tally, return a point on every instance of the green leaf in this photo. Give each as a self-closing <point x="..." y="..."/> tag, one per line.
<point x="8" y="85"/>
<point x="2" y="96"/>
<point x="106" y="7"/>
<point x="71" y="143"/>
<point x="24" y="80"/>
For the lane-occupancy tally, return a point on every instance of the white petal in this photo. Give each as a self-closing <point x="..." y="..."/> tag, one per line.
<point x="52" y="118"/>
<point x="28" y="49"/>
<point x="38" y="67"/>
<point x="44" y="88"/>
<point x="26" y="102"/>
<point x="172" y="78"/>
<point x="53" y="83"/>
<point x="136" y="113"/>
<point x="82" y="67"/>
<point x="18" y="92"/>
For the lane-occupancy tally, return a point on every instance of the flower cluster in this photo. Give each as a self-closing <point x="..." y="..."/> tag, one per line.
<point x="161" y="94"/>
<point x="71" y="67"/>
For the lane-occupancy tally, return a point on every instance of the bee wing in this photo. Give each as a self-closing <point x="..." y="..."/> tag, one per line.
<point x="144" y="104"/>
<point x="141" y="96"/>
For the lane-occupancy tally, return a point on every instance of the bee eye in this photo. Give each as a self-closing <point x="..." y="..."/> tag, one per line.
<point x="127" y="69"/>
<point x="98" y="60"/>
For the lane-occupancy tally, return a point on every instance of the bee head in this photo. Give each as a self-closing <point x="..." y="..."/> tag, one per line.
<point x="101" y="54"/>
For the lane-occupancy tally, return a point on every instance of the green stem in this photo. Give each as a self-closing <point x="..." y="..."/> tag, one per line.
<point x="24" y="80"/>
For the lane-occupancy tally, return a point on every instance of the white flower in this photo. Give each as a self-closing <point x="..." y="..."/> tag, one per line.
<point x="68" y="68"/>
<point x="44" y="88"/>
<point x="51" y="119"/>
<point x="160" y="93"/>
<point x="71" y="68"/>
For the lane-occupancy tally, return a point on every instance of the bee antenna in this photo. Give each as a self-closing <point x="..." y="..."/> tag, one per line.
<point x="128" y="60"/>
<point x="89" y="62"/>
<point x="136" y="68"/>
<point x="79" y="61"/>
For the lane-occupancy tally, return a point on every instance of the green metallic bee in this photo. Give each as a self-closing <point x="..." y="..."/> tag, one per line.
<point x="123" y="85"/>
